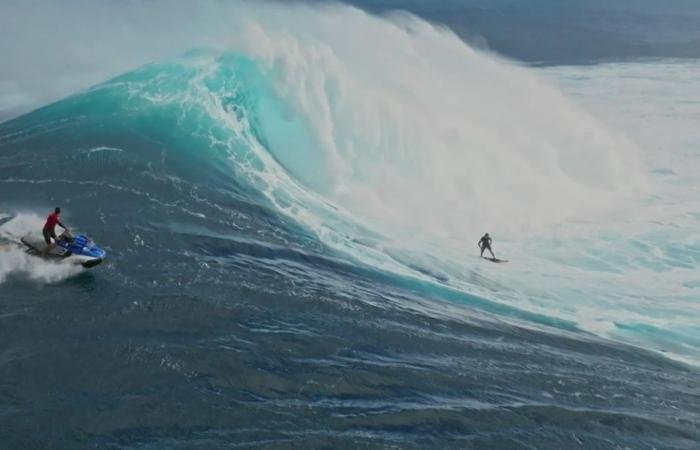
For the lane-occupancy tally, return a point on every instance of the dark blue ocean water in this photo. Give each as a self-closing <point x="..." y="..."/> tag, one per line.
<point x="220" y="322"/>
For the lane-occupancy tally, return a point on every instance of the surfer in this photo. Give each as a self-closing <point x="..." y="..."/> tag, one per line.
<point x="485" y="244"/>
<point x="49" y="230"/>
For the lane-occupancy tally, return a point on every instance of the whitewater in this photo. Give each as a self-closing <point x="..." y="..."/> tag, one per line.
<point x="298" y="190"/>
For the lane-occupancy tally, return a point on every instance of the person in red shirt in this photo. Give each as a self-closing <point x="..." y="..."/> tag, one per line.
<point x="49" y="230"/>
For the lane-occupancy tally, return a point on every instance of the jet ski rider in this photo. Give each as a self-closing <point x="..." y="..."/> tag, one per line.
<point x="49" y="230"/>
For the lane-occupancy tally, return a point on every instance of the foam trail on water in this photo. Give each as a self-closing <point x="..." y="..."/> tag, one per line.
<point x="15" y="262"/>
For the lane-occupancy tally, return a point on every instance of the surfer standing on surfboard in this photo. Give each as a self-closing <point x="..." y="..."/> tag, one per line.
<point x="485" y="244"/>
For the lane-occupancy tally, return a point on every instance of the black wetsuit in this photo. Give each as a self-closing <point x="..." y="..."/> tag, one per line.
<point x="485" y="244"/>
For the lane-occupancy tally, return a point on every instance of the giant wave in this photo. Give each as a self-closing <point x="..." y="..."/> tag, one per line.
<point x="346" y="164"/>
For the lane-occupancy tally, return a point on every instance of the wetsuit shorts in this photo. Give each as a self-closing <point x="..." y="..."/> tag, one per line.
<point x="48" y="234"/>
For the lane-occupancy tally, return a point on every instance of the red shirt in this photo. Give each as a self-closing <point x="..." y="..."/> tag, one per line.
<point x="51" y="221"/>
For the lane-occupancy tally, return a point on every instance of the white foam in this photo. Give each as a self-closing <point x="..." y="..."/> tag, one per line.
<point x="409" y="126"/>
<point x="104" y="149"/>
<point x="15" y="262"/>
<point x="423" y="133"/>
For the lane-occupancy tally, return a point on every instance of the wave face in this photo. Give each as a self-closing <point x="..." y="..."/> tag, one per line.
<point x="289" y="214"/>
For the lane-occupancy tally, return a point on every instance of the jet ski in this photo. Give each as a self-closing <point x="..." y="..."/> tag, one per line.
<point x="71" y="249"/>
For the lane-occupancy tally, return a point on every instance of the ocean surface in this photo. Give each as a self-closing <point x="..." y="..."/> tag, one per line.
<point x="291" y="222"/>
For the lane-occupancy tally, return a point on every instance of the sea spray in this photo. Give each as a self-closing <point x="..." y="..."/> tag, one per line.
<point x="16" y="262"/>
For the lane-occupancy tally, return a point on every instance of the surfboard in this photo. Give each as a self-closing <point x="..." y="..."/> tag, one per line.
<point x="37" y="245"/>
<point x="495" y="260"/>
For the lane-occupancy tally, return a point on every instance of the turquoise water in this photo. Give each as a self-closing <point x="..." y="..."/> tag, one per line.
<point x="292" y="227"/>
